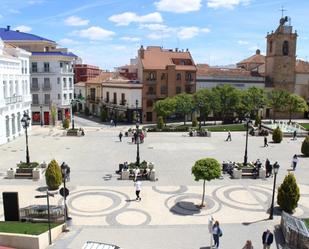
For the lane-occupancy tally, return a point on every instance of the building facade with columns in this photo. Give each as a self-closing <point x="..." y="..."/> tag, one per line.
<point x="15" y="97"/>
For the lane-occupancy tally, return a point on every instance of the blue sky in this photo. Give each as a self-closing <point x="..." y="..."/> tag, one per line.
<point x="108" y="33"/>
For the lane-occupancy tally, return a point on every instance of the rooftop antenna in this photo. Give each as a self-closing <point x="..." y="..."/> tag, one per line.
<point x="282" y="11"/>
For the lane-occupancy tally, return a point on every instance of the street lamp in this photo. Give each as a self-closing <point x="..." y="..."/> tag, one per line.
<point x="248" y="121"/>
<point x="276" y="167"/>
<point x="48" y="212"/>
<point x="72" y="115"/>
<point x="41" y="115"/>
<point x="137" y="135"/>
<point x="65" y="170"/>
<point x="200" y="105"/>
<point x="25" y="121"/>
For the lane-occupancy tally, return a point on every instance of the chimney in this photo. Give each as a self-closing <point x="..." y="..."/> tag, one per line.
<point x="258" y="51"/>
<point x="17" y="30"/>
<point x="176" y="49"/>
<point x="187" y="50"/>
<point x="8" y="27"/>
<point x="141" y="52"/>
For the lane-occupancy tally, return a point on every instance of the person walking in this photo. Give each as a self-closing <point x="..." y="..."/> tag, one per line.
<point x="295" y="135"/>
<point x="267" y="239"/>
<point x="111" y="123"/>
<point x="138" y="190"/>
<point x="248" y="245"/>
<point x="265" y="142"/>
<point x="229" y="136"/>
<point x="120" y="136"/>
<point x="216" y="233"/>
<point x="294" y="162"/>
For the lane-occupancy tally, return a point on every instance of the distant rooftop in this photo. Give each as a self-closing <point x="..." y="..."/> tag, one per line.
<point x="7" y="34"/>
<point x="55" y="53"/>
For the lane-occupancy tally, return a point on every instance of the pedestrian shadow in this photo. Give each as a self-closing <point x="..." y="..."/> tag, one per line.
<point x="42" y="189"/>
<point x="107" y="177"/>
<point x="290" y="170"/>
<point x="207" y="247"/>
<point x="131" y="200"/>
<point x="253" y="222"/>
<point x="185" y="208"/>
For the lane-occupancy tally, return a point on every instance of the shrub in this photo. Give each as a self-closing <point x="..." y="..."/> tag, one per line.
<point x="305" y="146"/>
<point x="53" y="175"/>
<point x="87" y="111"/>
<point x="160" y="122"/>
<point x="103" y="115"/>
<point x="288" y="194"/>
<point x="194" y="122"/>
<point x="66" y="123"/>
<point x="24" y="165"/>
<point x="277" y="135"/>
<point x="257" y="121"/>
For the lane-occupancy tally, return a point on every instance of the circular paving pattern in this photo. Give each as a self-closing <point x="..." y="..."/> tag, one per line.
<point x="188" y="204"/>
<point x="95" y="202"/>
<point x="178" y="190"/>
<point x="129" y="217"/>
<point x="240" y="198"/>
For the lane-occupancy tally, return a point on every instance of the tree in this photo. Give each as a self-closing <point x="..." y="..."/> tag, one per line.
<point x="103" y="115"/>
<point x="206" y="169"/>
<point x="242" y="108"/>
<point x="160" y="122"/>
<point x="295" y="103"/>
<point x="66" y="123"/>
<point x="288" y="194"/>
<point x="228" y="98"/>
<point x="53" y="113"/>
<point x="255" y="100"/>
<point x="278" y="101"/>
<point x="165" y="107"/>
<point x="305" y="147"/>
<point x="53" y="175"/>
<point x="277" y="135"/>
<point x="184" y="104"/>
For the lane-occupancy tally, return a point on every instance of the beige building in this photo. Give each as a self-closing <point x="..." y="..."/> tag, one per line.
<point x="164" y="73"/>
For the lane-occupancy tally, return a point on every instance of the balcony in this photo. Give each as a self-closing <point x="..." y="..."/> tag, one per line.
<point x="34" y="89"/>
<point x="123" y="102"/>
<point x="151" y="94"/>
<point x="151" y="81"/>
<point x="35" y="103"/>
<point x="46" y="87"/>
<point x="47" y="102"/>
<point x="190" y="82"/>
<point x="42" y="70"/>
<point x="93" y="99"/>
<point x="13" y="100"/>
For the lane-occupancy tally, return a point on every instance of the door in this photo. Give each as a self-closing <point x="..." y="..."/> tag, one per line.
<point x="46" y="118"/>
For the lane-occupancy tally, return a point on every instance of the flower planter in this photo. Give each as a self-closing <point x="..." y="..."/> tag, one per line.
<point x="125" y="175"/>
<point x="237" y="174"/>
<point x="10" y="173"/>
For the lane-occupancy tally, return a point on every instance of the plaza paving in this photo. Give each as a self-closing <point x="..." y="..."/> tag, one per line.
<point x="103" y="208"/>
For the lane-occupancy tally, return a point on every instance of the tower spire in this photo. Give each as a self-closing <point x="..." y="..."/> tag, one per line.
<point x="282" y="10"/>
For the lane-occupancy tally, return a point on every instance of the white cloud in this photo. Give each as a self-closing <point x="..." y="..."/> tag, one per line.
<point x="178" y="6"/>
<point x="155" y="27"/>
<point x="185" y="33"/>
<point x="205" y="30"/>
<point x="126" y="18"/>
<point x="76" y="21"/>
<point x="131" y="39"/>
<point x="119" y="47"/>
<point x="228" y="4"/>
<point x="241" y="42"/>
<point x="95" y="33"/>
<point x="23" y="28"/>
<point x="32" y="2"/>
<point x="14" y="11"/>
<point x="67" y="41"/>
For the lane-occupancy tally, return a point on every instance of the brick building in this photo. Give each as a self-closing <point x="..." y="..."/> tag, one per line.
<point x="85" y="72"/>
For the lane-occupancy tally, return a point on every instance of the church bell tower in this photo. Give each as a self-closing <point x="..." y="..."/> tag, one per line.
<point x="281" y="56"/>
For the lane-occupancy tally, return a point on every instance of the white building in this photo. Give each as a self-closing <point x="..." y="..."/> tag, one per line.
<point x="80" y="95"/>
<point x="15" y="97"/>
<point x="52" y="75"/>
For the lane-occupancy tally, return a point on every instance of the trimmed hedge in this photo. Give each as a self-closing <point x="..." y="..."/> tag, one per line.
<point x="277" y="135"/>
<point x="66" y="123"/>
<point x="53" y="175"/>
<point x="24" y="165"/>
<point x="160" y="122"/>
<point x="305" y="147"/>
<point x="169" y="129"/>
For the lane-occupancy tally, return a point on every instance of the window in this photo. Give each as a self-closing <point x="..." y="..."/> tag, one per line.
<point x="107" y="97"/>
<point x="58" y="80"/>
<point x="115" y="98"/>
<point x="149" y="116"/>
<point x="163" y="90"/>
<point x="46" y="67"/>
<point x="65" y="96"/>
<point x="151" y="90"/>
<point x="178" y="89"/>
<point x="22" y="66"/>
<point x="59" y="96"/>
<point x="163" y="76"/>
<point x="61" y="65"/>
<point x="178" y="76"/>
<point x="35" y="84"/>
<point x="70" y="82"/>
<point x="7" y="124"/>
<point x="64" y="82"/>
<point x="35" y="99"/>
<point x="11" y="88"/>
<point x="16" y="87"/>
<point x="26" y="68"/>
<point x="4" y="89"/>
<point x="70" y="95"/>
<point x="188" y="76"/>
<point x="151" y="76"/>
<point x="46" y="84"/>
<point x="123" y="99"/>
<point x="92" y="93"/>
<point x="18" y="122"/>
<point x="13" y="124"/>
<point x="285" y="48"/>
<point x="149" y="103"/>
<point x="46" y="99"/>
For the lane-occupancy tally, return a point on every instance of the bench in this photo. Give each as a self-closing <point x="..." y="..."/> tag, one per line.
<point x="24" y="173"/>
<point x="141" y="175"/>
<point x="248" y="172"/>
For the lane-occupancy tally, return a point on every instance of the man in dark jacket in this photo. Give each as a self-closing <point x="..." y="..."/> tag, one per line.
<point x="267" y="239"/>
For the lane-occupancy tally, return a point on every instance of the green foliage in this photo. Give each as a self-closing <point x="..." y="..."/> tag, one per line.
<point x="66" y="123"/>
<point x="25" y="227"/>
<point x="278" y="100"/>
<point x="255" y="99"/>
<point x="165" y="107"/>
<point x="205" y="101"/>
<point x="160" y="122"/>
<point x="305" y="147"/>
<point x="296" y="103"/>
<point x="257" y="120"/>
<point x="103" y="115"/>
<point x="24" y="165"/>
<point x="184" y="104"/>
<point x="87" y="111"/>
<point x="194" y="122"/>
<point x="53" y="175"/>
<point x="206" y="169"/>
<point x="277" y="135"/>
<point x="288" y="194"/>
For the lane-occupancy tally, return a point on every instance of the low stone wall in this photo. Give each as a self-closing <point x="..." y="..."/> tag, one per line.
<point x="24" y="241"/>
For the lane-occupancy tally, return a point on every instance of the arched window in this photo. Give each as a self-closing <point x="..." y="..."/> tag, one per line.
<point x="285" y="48"/>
